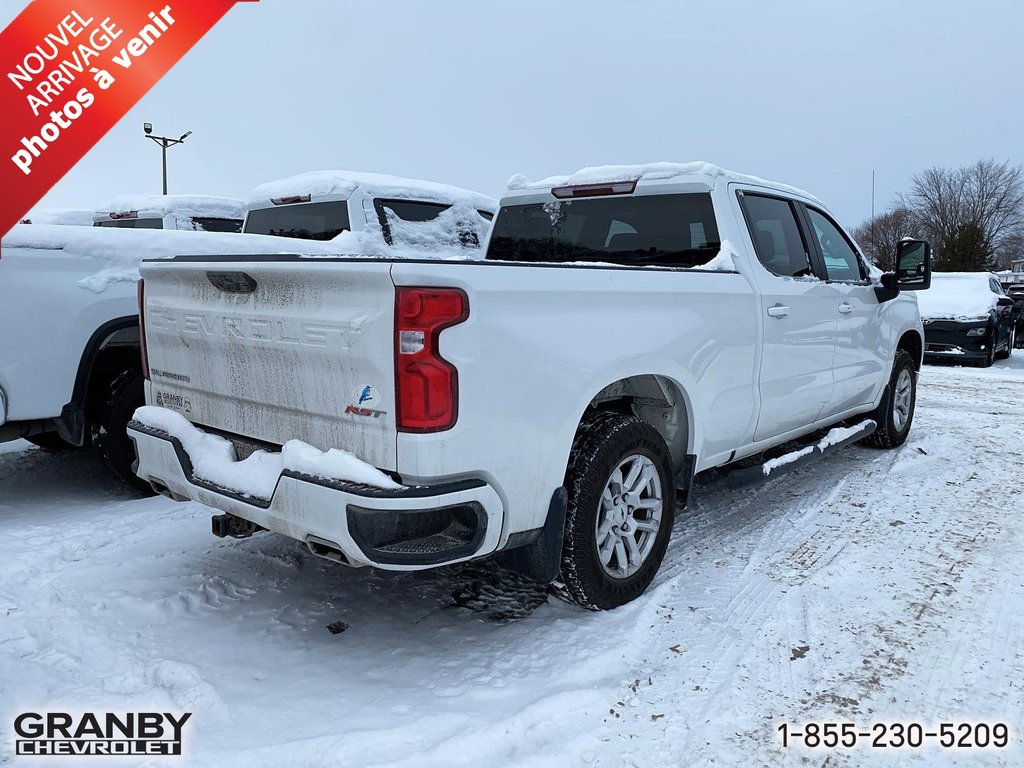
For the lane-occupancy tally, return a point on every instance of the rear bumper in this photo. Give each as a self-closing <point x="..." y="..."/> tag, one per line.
<point x="404" y="530"/>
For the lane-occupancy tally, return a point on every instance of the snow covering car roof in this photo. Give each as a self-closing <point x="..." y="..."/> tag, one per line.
<point x="65" y="216"/>
<point x="121" y="251"/>
<point x="957" y="296"/>
<point x="648" y="174"/>
<point x="162" y="205"/>
<point x="344" y="183"/>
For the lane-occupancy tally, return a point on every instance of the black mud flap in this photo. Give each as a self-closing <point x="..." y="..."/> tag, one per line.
<point x="537" y="554"/>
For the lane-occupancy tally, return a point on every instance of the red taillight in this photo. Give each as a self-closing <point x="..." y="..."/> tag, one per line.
<point x="142" y="329"/>
<point x="595" y="190"/>
<point x="426" y="385"/>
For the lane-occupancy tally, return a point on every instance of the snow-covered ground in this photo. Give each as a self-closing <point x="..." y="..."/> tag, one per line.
<point x="870" y="586"/>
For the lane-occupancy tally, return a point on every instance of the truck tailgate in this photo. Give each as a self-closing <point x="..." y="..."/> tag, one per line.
<point x="277" y="349"/>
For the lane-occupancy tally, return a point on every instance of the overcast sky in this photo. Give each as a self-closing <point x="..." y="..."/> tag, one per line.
<point x="812" y="93"/>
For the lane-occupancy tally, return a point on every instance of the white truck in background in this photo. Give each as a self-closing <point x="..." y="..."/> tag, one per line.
<point x="75" y="217"/>
<point x="630" y="327"/>
<point x="369" y="212"/>
<point x="189" y="213"/>
<point x="70" y="366"/>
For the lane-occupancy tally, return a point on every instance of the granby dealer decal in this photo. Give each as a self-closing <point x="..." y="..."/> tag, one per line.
<point x="70" y="70"/>
<point x="110" y="733"/>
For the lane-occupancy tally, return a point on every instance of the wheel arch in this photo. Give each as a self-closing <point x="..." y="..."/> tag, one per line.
<point x="660" y="401"/>
<point x="114" y="344"/>
<point x="913" y="344"/>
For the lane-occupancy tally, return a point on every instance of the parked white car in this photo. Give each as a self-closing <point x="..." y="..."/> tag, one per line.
<point x="70" y="368"/>
<point x="630" y="327"/>
<point x="190" y="213"/>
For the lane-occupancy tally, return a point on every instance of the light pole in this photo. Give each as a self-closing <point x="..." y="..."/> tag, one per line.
<point x="164" y="143"/>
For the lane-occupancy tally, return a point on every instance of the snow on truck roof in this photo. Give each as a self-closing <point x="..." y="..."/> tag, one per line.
<point x="647" y="174"/>
<point x="322" y="183"/>
<point x="163" y="205"/>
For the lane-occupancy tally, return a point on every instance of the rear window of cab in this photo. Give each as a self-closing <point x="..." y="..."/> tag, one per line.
<point x="676" y="230"/>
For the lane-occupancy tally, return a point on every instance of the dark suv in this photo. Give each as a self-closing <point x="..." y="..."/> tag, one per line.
<point x="968" y="318"/>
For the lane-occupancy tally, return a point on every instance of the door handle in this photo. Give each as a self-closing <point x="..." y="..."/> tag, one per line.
<point x="778" y="311"/>
<point x="845" y="308"/>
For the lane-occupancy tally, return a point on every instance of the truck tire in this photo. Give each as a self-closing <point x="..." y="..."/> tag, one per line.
<point x="619" y="515"/>
<point x="110" y="435"/>
<point x="895" y="413"/>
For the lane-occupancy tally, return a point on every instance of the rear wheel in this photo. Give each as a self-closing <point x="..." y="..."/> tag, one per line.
<point x="115" y="448"/>
<point x="895" y="413"/>
<point x="620" y="510"/>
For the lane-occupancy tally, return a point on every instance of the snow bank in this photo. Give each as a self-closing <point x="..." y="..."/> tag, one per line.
<point x="124" y="249"/>
<point x="213" y="459"/>
<point x="957" y="296"/>
<point x="344" y="183"/>
<point x="179" y="205"/>
<point x="65" y="216"/>
<point x="607" y="174"/>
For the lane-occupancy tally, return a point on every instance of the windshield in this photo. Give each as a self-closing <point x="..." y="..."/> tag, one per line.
<point x="665" y="230"/>
<point x="132" y="223"/>
<point x="306" y="221"/>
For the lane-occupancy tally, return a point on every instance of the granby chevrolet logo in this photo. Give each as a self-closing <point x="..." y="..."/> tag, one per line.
<point x="130" y="733"/>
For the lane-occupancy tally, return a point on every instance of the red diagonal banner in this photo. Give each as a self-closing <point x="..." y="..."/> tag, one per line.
<point x="70" y="70"/>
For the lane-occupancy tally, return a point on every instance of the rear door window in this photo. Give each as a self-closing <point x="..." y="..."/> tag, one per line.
<point x="419" y="211"/>
<point x="778" y="242"/>
<point x="647" y="230"/>
<point x="841" y="260"/>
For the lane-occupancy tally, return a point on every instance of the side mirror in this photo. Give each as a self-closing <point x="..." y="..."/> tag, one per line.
<point x="914" y="265"/>
<point x="1005" y="301"/>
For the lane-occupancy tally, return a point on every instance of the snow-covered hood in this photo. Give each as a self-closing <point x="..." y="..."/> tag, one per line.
<point x="957" y="296"/>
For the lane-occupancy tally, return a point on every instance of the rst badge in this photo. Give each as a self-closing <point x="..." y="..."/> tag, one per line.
<point x="365" y="398"/>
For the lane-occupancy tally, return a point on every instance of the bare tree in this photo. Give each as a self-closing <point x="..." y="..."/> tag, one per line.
<point x="971" y="214"/>
<point x="880" y="236"/>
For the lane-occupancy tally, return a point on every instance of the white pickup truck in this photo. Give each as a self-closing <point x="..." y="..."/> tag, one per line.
<point x="629" y="327"/>
<point x="70" y="371"/>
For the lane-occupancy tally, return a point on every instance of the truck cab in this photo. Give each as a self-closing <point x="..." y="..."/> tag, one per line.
<point x="386" y="211"/>
<point x="189" y="213"/>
